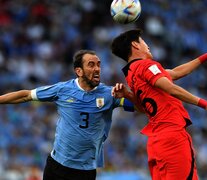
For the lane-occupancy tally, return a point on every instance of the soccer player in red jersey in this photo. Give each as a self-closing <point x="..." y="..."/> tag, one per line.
<point x="170" y="150"/>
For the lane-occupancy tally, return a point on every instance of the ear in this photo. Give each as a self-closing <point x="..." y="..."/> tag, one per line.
<point x="135" y="44"/>
<point x="79" y="71"/>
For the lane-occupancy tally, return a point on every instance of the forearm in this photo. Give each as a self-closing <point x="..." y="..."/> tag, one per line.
<point x="178" y="92"/>
<point x="183" y="95"/>
<point x="16" y="97"/>
<point x="185" y="69"/>
<point x="187" y="97"/>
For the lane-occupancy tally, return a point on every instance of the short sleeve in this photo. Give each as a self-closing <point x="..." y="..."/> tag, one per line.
<point x="46" y="93"/>
<point x="153" y="71"/>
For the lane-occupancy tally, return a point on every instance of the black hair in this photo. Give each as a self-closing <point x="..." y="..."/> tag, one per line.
<point x="121" y="45"/>
<point x="78" y="57"/>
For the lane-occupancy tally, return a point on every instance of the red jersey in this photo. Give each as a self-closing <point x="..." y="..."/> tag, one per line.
<point x="164" y="111"/>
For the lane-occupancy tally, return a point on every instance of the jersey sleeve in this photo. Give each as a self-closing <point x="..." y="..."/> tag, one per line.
<point x="126" y="104"/>
<point x="46" y="93"/>
<point x="152" y="72"/>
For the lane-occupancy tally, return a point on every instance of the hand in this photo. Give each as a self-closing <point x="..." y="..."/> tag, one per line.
<point x="119" y="90"/>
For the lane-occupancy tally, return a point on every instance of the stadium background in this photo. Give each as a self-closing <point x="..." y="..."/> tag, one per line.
<point x="37" y="41"/>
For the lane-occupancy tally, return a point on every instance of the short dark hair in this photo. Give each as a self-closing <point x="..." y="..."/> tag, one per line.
<point x="78" y="57"/>
<point x="121" y="45"/>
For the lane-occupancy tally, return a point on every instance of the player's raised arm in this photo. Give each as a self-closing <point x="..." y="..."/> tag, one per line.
<point x="180" y="93"/>
<point x="16" y="97"/>
<point x="185" y="69"/>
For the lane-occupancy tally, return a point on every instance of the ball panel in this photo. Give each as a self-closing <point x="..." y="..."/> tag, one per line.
<point x="125" y="11"/>
<point x="121" y="18"/>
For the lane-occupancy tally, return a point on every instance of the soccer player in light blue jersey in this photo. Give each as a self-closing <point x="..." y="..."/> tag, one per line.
<point x="85" y="109"/>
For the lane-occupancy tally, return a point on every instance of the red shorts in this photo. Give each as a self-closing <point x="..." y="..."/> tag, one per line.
<point x="171" y="156"/>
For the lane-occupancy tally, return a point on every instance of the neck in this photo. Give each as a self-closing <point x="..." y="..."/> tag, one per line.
<point x="139" y="56"/>
<point x="83" y="85"/>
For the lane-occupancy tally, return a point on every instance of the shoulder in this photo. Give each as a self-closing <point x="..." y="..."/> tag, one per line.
<point x="149" y="62"/>
<point x="63" y="83"/>
<point x="104" y="87"/>
<point x="70" y="84"/>
<point x="104" y="90"/>
<point x="143" y="63"/>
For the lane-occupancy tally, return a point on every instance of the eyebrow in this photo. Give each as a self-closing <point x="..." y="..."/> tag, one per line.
<point x="90" y="60"/>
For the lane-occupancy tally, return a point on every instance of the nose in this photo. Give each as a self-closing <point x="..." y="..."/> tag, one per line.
<point x="97" y="68"/>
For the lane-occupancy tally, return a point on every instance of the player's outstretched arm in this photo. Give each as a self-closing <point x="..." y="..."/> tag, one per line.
<point x="185" y="69"/>
<point x="16" y="97"/>
<point x="178" y="92"/>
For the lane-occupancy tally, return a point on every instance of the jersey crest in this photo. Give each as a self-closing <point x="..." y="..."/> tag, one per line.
<point x="99" y="102"/>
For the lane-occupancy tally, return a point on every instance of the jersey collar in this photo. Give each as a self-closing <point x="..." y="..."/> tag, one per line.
<point x="76" y="81"/>
<point x="125" y="69"/>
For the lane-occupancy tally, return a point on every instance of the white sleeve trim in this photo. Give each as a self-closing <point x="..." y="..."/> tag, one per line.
<point x="34" y="94"/>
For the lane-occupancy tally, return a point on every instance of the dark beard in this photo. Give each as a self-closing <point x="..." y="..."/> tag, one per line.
<point x="90" y="83"/>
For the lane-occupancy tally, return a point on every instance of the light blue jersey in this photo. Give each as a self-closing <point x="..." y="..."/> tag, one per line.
<point x="84" y="122"/>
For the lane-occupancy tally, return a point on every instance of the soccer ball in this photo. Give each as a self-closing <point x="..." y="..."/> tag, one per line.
<point x="125" y="11"/>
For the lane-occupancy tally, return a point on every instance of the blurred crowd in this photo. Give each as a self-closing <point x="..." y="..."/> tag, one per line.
<point x="37" y="41"/>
